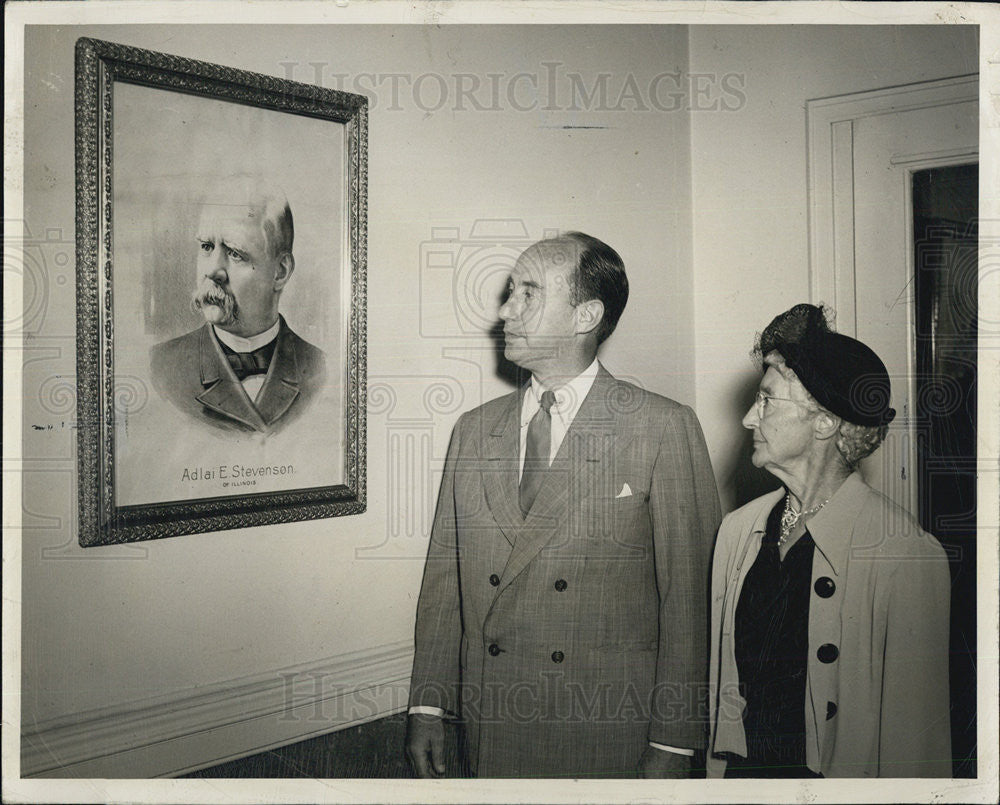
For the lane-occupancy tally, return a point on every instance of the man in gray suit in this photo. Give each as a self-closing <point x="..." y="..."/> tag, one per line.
<point x="562" y="615"/>
<point x="244" y="370"/>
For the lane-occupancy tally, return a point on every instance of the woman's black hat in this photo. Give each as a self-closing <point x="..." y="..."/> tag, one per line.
<point x="844" y="375"/>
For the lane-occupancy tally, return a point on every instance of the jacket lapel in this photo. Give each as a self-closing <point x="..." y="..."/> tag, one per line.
<point x="832" y="529"/>
<point x="223" y="392"/>
<point x="588" y="442"/>
<point x="502" y="452"/>
<point x="281" y="386"/>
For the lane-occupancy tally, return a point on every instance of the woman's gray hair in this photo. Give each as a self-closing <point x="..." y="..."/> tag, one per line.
<point x="855" y="442"/>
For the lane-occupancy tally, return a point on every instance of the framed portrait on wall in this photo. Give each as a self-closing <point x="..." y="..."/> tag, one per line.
<point x="221" y="231"/>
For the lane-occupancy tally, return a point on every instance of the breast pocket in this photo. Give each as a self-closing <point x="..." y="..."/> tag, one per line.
<point x="630" y="497"/>
<point x="631" y="512"/>
<point x="618" y="525"/>
<point x="599" y="507"/>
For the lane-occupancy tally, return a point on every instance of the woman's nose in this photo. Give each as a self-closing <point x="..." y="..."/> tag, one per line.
<point x="507" y="310"/>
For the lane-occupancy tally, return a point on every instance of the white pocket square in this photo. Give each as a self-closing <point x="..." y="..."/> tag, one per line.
<point x="625" y="493"/>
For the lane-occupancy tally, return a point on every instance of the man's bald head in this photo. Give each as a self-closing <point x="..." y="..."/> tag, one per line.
<point x="254" y="201"/>
<point x="595" y="271"/>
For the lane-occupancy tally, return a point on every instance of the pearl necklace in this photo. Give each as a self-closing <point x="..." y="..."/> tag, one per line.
<point x="790" y="518"/>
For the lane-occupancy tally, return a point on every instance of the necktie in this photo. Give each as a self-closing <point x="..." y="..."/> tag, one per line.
<point x="536" y="452"/>
<point x="250" y="363"/>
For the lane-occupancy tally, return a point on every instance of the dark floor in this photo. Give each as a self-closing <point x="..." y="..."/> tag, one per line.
<point x="374" y="749"/>
<point x="371" y="750"/>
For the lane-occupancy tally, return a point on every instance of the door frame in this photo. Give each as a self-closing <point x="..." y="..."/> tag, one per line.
<point x="832" y="271"/>
<point x="830" y="124"/>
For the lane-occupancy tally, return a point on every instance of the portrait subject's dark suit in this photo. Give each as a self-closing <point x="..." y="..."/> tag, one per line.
<point x="568" y="639"/>
<point x="193" y="373"/>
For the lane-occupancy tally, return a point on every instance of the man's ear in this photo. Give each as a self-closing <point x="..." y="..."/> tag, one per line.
<point x="589" y="315"/>
<point x="826" y="425"/>
<point x="283" y="271"/>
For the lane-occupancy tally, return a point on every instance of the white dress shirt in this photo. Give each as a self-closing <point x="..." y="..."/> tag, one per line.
<point x="569" y="398"/>
<point x="237" y="343"/>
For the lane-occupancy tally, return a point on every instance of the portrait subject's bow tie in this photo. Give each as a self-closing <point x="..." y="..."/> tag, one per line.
<point x="250" y="363"/>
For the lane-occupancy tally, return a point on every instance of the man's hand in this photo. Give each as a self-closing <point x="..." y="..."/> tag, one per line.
<point x="663" y="765"/>
<point x="425" y="744"/>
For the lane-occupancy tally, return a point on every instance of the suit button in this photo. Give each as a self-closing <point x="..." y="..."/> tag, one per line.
<point x="494" y="649"/>
<point x="827" y="652"/>
<point x="558" y="656"/>
<point x="831" y="710"/>
<point x="561" y="585"/>
<point x="495" y="580"/>
<point x="824" y="587"/>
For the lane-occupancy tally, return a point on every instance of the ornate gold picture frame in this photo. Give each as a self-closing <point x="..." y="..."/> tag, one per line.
<point x="173" y="438"/>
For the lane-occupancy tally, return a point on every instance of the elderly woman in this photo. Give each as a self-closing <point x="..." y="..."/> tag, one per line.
<point x="829" y="604"/>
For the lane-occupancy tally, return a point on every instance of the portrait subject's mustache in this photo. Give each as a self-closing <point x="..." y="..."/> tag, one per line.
<point x="211" y="293"/>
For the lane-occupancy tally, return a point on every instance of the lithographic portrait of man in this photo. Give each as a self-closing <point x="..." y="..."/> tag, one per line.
<point x="244" y="369"/>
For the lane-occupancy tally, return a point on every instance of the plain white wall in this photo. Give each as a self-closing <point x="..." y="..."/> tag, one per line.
<point x="750" y="194"/>
<point x="109" y="626"/>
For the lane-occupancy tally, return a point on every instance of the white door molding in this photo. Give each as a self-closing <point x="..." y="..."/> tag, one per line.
<point x="830" y="125"/>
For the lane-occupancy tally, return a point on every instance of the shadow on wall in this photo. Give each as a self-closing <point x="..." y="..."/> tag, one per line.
<point x="739" y="474"/>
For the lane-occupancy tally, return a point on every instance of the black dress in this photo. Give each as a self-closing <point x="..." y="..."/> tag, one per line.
<point x="772" y="645"/>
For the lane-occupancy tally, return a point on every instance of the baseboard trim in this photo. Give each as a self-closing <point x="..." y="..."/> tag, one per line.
<point x="172" y="735"/>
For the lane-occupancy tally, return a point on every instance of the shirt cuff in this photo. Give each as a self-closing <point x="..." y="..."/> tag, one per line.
<point x="426" y="710"/>
<point x="665" y="748"/>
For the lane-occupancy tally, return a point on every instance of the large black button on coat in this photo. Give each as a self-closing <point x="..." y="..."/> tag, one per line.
<point x="827" y="653"/>
<point x="824" y="587"/>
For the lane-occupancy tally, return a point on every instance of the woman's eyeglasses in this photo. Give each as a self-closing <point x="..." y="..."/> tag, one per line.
<point x="763" y="399"/>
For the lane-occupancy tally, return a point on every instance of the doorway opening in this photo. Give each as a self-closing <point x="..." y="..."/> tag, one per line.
<point x="945" y="234"/>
